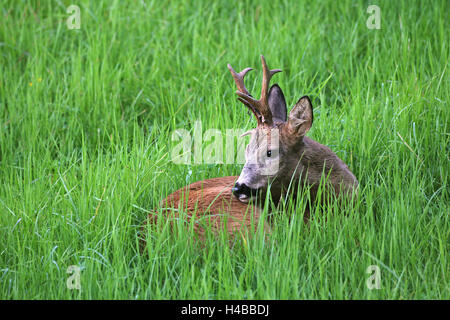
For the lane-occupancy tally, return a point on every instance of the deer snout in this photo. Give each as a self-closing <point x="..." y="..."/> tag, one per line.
<point x="243" y="192"/>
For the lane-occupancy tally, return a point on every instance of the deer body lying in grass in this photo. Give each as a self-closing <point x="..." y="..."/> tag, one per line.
<point x="278" y="155"/>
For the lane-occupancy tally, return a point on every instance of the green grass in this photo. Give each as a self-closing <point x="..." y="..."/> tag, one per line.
<point x="86" y="118"/>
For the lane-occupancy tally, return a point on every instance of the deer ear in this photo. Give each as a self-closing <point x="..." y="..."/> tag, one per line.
<point x="301" y="117"/>
<point x="277" y="103"/>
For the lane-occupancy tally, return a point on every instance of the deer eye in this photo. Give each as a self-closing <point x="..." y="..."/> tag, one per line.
<point x="269" y="153"/>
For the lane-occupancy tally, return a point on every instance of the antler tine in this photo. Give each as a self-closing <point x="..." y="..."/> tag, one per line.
<point x="239" y="78"/>
<point x="261" y="105"/>
<point x="267" y="75"/>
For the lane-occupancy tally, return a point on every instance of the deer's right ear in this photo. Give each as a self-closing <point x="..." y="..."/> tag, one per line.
<point x="301" y="117"/>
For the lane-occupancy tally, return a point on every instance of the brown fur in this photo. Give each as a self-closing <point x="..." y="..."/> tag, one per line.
<point x="212" y="205"/>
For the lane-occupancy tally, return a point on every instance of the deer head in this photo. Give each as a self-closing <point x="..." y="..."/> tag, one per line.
<point x="276" y="144"/>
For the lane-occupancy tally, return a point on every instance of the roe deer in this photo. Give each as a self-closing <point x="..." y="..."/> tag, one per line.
<point x="290" y="161"/>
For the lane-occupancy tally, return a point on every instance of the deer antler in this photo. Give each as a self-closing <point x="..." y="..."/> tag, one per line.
<point x="239" y="80"/>
<point x="259" y="107"/>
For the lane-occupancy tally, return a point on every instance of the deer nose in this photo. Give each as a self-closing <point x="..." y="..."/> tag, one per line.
<point x="241" y="189"/>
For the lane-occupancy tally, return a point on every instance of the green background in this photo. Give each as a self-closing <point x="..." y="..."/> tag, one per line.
<point x="86" y="119"/>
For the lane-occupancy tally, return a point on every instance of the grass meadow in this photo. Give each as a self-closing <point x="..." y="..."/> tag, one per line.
<point x="86" y="123"/>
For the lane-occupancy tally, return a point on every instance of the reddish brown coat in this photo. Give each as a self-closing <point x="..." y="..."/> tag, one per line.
<point x="212" y="205"/>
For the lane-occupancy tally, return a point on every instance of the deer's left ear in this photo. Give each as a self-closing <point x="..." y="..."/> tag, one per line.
<point x="277" y="103"/>
<point x="301" y="117"/>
